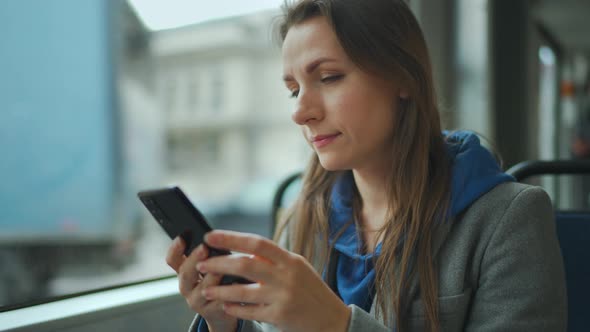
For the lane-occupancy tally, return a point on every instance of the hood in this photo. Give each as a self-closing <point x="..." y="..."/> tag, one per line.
<point x="474" y="172"/>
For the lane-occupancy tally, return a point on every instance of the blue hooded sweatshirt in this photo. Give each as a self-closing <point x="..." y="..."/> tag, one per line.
<point x="474" y="173"/>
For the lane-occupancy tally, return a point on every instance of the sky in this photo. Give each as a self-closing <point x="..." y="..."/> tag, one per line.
<point x="160" y="14"/>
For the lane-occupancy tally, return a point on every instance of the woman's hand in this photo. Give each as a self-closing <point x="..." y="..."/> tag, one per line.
<point x="287" y="293"/>
<point x="192" y="283"/>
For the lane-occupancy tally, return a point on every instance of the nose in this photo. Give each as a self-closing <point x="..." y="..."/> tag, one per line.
<point x="308" y="108"/>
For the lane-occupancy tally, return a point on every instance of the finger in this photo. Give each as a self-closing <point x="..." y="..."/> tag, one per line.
<point x="251" y="293"/>
<point x="248" y="311"/>
<point x="174" y="256"/>
<point x="213" y="309"/>
<point x="246" y="243"/>
<point x="249" y="267"/>
<point x="210" y="280"/>
<point x="188" y="275"/>
<point x="195" y="298"/>
<point x="199" y="254"/>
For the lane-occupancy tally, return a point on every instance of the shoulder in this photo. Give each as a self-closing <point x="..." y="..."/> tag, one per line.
<point x="513" y="249"/>
<point x="507" y="196"/>
<point x="505" y="244"/>
<point x="509" y="216"/>
<point x="511" y="228"/>
<point x="507" y="203"/>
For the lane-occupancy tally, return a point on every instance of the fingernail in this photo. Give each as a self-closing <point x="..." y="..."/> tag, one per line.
<point x="201" y="267"/>
<point x="206" y="294"/>
<point x="199" y="250"/>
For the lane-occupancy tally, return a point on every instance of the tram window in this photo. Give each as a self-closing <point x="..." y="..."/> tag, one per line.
<point x="100" y="101"/>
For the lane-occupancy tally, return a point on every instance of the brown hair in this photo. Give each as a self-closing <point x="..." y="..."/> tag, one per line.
<point x="384" y="38"/>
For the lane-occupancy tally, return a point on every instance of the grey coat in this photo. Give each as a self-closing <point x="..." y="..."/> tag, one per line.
<point x="499" y="267"/>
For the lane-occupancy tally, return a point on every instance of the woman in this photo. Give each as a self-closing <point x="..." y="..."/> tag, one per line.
<point x="410" y="228"/>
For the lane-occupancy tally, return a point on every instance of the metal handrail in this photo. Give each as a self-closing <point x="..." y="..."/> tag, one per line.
<point x="277" y="201"/>
<point x="530" y="168"/>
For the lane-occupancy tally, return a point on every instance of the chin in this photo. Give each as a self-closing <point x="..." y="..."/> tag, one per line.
<point x="330" y="163"/>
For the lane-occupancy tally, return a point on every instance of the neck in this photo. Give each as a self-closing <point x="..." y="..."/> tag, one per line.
<point x="375" y="203"/>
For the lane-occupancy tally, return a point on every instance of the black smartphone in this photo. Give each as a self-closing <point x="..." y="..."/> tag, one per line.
<point x="172" y="209"/>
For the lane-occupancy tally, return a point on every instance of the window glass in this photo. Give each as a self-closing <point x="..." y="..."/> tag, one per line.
<point x="101" y="99"/>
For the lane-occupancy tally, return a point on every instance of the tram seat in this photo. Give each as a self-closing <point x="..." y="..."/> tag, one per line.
<point x="573" y="232"/>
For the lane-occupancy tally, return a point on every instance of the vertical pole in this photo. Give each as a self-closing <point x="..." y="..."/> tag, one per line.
<point x="509" y="79"/>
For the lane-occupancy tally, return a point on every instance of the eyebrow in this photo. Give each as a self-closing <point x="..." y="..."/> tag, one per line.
<point x="310" y="67"/>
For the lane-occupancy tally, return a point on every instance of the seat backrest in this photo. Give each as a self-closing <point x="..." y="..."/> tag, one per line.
<point x="573" y="232"/>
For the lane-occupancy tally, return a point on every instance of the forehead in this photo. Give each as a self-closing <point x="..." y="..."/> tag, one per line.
<point x="309" y="40"/>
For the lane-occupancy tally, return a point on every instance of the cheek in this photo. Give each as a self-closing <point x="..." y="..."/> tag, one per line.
<point x="304" y="135"/>
<point x="350" y="107"/>
<point x="377" y="123"/>
<point x="371" y="113"/>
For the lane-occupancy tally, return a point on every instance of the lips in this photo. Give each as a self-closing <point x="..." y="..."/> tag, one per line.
<point x="323" y="140"/>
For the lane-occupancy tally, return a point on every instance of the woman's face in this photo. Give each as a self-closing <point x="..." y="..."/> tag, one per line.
<point x="345" y="113"/>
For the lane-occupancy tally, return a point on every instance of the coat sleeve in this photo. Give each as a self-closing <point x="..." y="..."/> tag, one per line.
<point x="522" y="283"/>
<point x="361" y="321"/>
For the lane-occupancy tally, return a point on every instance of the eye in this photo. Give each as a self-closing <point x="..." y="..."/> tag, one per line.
<point x="331" y="78"/>
<point x="294" y="94"/>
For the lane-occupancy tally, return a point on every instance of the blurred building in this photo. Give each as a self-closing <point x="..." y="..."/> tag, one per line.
<point x="226" y="110"/>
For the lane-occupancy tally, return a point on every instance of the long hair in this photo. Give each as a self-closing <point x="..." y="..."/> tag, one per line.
<point x="383" y="37"/>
